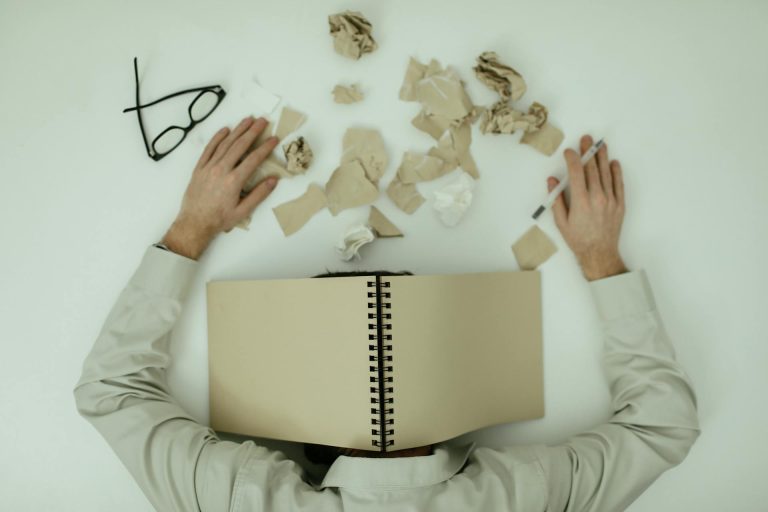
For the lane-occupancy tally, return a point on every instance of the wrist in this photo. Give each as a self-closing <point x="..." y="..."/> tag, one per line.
<point x="602" y="266"/>
<point x="184" y="238"/>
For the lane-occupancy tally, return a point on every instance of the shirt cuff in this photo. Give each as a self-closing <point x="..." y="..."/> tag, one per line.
<point x="623" y="295"/>
<point x="165" y="273"/>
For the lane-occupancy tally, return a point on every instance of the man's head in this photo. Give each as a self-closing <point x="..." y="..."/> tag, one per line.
<point x="323" y="454"/>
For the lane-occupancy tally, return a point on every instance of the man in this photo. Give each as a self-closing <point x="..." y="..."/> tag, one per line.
<point x="182" y="465"/>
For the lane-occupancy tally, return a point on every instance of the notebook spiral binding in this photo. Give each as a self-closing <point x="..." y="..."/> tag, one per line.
<point x="380" y="359"/>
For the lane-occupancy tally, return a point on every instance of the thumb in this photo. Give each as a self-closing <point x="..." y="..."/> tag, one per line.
<point x="559" y="209"/>
<point x="256" y="196"/>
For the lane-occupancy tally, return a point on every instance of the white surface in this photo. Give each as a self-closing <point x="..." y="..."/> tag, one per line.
<point x="678" y="90"/>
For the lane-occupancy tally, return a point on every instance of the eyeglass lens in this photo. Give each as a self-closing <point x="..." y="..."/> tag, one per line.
<point x="203" y="105"/>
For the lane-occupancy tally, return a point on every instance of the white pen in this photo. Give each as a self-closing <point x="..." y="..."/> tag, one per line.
<point x="552" y="197"/>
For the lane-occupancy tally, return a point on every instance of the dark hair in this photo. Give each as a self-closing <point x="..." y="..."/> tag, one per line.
<point x="321" y="453"/>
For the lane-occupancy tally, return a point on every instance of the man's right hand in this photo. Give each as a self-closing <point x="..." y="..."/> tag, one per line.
<point x="591" y="223"/>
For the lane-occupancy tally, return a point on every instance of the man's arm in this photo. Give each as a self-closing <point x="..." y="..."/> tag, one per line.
<point x="122" y="391"/>
<point x="655" y="421"/>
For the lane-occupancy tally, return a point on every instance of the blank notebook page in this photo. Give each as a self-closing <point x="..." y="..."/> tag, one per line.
<point x="466" y="353"/>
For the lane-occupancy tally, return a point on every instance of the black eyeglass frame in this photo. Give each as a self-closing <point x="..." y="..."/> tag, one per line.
<point x="151" y="151"/>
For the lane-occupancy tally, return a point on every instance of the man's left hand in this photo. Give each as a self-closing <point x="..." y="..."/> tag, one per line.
<point x="212" y="201"/>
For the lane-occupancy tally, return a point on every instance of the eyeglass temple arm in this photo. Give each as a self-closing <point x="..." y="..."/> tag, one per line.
<point x="138" y="111"/>
<point x="196" y="89"/>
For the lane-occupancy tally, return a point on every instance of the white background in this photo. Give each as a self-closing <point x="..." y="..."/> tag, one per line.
<point x="678" y="89"/>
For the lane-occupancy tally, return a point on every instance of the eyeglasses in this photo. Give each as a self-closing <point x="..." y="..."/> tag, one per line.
<point x="206" y="101"/>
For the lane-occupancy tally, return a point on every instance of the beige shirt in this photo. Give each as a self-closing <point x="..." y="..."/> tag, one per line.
<point x="183" y="465"/>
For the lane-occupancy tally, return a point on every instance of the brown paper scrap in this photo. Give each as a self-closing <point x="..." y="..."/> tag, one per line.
<point x="545" y="140"/>
<point x="533" y="248"/>
<point x="347" y="94"/>
<point x="382" y="226"/>
<point x="351" y="34"/>
<point x="502" y="118"/>
<point x="405" y="195"/>
<point x="290" y="121"/>
<point x="432" y="124"/>
<point x="446" y="152"/>
<point x="292" y="215"/>
<point x="298" y="156"/>
<point x="417" y="167"/>
<point x="499" y="77"/>
<point x="413" y="73"/>
<point x="462" y="138"/>
<point x="367" y="146"/>
<point x="349" y="187"/>
<point x="443" y="94"/>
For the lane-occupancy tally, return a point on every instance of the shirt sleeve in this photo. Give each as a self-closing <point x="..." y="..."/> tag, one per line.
<point x="123" y="393"/>
<point x="654" y="423"/>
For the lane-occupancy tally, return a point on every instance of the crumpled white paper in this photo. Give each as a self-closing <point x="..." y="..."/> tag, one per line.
<point x="353" y="240"/>
<point x="453" y="200"/>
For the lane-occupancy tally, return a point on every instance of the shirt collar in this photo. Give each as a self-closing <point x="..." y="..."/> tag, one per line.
<point x="399" y="472"/>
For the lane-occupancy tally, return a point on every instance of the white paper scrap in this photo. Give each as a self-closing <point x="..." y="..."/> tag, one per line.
<point x="259" y="99"/>
<point x="354" y="239"/>
<point x="453" y="200"/>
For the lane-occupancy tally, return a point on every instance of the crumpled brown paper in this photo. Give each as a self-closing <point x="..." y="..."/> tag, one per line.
<point x="502" y="118"/>
<point x="292" y="215"/>
<point x="347" y="94"/>
<point x="351" y="34"/>
<point x="298" y="156"/>
<point x="499" y="77"/>
<point x="404" y="195"/>
<point x="533" y="248"/>
<point x="367" y="146"/>
<point x="349" y="187"/>
<point x="382" y="226"/>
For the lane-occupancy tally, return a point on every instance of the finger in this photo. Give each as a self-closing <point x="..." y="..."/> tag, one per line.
<point x="605" y="171"/>
<point x="243" y="143"/>
<point x="590" y="167"/>
<point x="576" y="175"/>
<point x="618" y="182"/>
<point x="255" y="197"/>
<point x="211" y="147"/>
<point x="559" y="208"/>
<point x="221" y="150"/>
<point x="255" y="158"/>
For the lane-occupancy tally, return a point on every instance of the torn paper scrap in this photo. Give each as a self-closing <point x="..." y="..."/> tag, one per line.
<point x="413" y="73"/>
<point x="545" y="140"/>
<point x="502" y="118"/>
<point x="445" y="152"/>
<point x="298" y="156"/>
<point x="367" y="146"/>
<point x="453" y="200"/>
<point x="271" y="166"/>
<point x="417" y="167"/>
<point x="533" y="248"/>
<point x="353" y="240"/>
<point x="263" y="101"/>
<point x="462" y="138"/>
<point x="405" y="195"/>
<point x="349" y="187"/>
<point x="290" y="121"/>
<point x="443" y="94"/>
<point x="347" y="94"/>
<point x="351" y="34"/>
<point x="382" y="227"/>
<point x="432" y="124"/>
<point x="293" y="214"/>
<point x="499" y="77"/>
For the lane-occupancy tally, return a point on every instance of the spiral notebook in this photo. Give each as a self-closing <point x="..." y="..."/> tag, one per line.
<point x="374" y="363"/>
